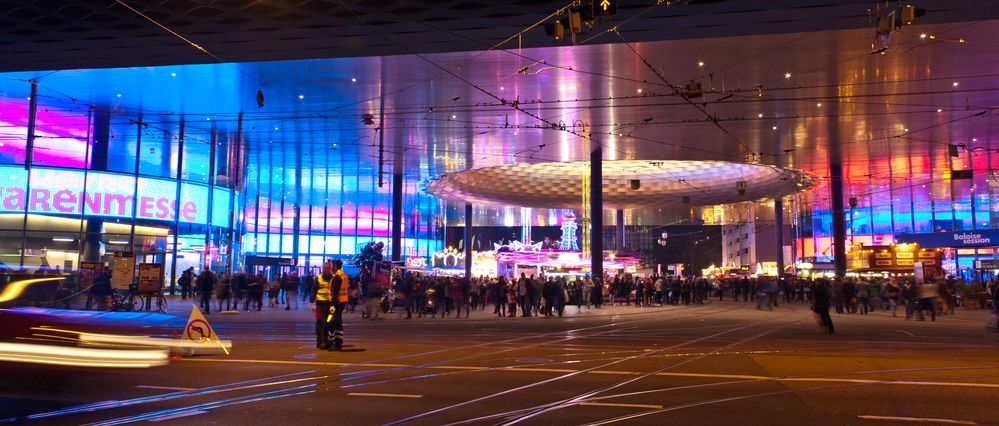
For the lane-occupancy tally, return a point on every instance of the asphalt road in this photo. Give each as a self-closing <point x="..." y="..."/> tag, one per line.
<point x="721" y="363"/>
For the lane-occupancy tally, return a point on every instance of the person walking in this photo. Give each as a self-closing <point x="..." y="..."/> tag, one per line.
<point x="225" y="291"/>
<point x="339" y="291"/>
<point x="373" y="293"/>
<point x="927" y="294"/>
<point x="241" y="287"/>
<point x="522" y="295"/>
<point x="822" y="295"/>
<point x="864" y="296"/>
<point x="511" y="300"/>
<point x="890" y="294"/>
<point x="290" y="286"/>
<point x="206" y="283"/>
<point x="185" y="282"/>
<point x="500" y="297"/>
<point x="404" y="291"/>
<point x="460" y="294"/>
<point x="909" y="297"/>
<point x="548" y="294"/>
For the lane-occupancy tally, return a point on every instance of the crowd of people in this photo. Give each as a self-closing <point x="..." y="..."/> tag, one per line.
<point x="418" y="295"/>
<point x="239" y="288"/>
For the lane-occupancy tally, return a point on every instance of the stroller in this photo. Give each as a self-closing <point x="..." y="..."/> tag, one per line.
<point x="430" y="307"/>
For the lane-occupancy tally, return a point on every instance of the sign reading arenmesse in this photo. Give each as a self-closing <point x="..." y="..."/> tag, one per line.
<point x="62" y="192"/>
<point x="979" y="238"/>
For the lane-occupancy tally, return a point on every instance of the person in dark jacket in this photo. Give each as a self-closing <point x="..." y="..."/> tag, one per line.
<point x="100" y="291"/>
<point x="206" y="283"/>
<point x="185" y="282"/>
<point x="597" y="293"/>
<point x="823" y="296"/>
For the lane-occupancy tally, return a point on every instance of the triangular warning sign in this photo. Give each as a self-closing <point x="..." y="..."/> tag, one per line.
<point x="198" y="328"/>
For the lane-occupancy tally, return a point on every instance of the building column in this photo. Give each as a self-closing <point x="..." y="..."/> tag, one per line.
<point x="98" y="162"/>
<point x="596" y="213"/>
<point x="397" y="217"/>
<point x="838" y="217"/>
<point x="468" y="241"/>
<point x="619" y="221"/>
<point x="779" y="224"/>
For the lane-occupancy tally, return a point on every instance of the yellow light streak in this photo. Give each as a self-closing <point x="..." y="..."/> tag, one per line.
<point x="14" y="289"/>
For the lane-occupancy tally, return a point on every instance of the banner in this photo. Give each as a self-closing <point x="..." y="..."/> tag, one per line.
<point x="960" y="239"/>
<point x="150" y="278"/>
<point x="61" y="192"/>
<point x="122" y="271"/>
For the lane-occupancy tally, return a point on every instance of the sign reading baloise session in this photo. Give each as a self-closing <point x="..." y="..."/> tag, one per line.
<point x="979" y="238"/>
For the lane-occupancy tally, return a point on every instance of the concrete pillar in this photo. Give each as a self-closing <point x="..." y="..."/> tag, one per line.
<point x="468" y="241"/>
<point x="596" y="212"/>
<point x="838" y="217"/>
<point x="397" y="217"/>
<point x="779" y="224"/>
<point x="619" y="221"/>
<point x="99" y="162"/>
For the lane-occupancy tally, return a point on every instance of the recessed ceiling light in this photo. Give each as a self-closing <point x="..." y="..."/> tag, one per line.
<point x="353" y="80"/>
<point x="173" y="74"/>
<point x="923" y="35"/>
<point x="275" y="128"/>
<point x="119" y="95"/>
<point x="208" y="118"/>
<point x="955" y="84"/>
<point x="906" y="130"/>
<point x="787" y="75"/>
<point x="301" y="96"/>
<point x="775" y="127"/>
<point x="760" y="115"/>
<point x="700" y="63"/>
<point x="639" y="90"/>
<point x="974" y="139"/>
<point x="818" y="104"/>
<point x="939" y="110"/>
<point x="502" y="88"/>
<point x="454" y="117"/>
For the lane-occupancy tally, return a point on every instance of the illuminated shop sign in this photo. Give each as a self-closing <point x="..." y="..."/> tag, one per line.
<point x="59" y="191"/>
<point x="979" y="238"/>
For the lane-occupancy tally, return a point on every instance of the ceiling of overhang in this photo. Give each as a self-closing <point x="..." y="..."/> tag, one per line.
<point x="891" y="116"/>
<point x="626" y="184"/>
<point x="50" y="34"/>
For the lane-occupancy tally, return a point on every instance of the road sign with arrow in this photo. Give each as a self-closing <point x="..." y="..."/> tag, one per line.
<point x="605" y="7"/>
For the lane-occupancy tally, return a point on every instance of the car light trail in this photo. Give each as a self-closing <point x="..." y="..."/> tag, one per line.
<point x="14" y="289"/>
<point x="81" y="357"/>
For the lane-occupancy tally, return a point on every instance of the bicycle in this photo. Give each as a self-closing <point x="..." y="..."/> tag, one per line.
<point x="154" y="302"/>
<point x="125" y="301"/>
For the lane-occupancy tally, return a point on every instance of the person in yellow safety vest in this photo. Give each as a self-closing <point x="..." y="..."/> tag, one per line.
<point x="322" y="301"/>
<point x="339" y="287"/>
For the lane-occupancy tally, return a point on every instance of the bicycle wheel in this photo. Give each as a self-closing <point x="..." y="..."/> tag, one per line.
<point x="161" y="303"/>
<point x="134" y="303"/>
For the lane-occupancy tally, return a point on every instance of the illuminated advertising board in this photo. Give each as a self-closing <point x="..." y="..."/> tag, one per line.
<point x="62" y="192"/>
<point x="220" y="207"/>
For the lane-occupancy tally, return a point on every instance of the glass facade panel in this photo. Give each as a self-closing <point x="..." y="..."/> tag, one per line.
<point x="13" y="130"/>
